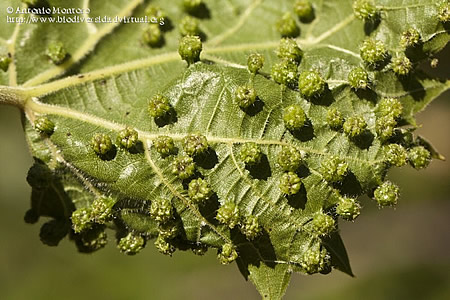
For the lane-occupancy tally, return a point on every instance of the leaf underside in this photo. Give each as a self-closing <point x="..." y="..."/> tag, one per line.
<point x="105" y="85"/>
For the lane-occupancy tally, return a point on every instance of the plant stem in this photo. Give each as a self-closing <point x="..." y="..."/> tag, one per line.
<point x="12" y="96"/>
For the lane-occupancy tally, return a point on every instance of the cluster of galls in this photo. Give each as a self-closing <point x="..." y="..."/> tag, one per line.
<point x="287" y="25"/>
<point x="104" y="147"/>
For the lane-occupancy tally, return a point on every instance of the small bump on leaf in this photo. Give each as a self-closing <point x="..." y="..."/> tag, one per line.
<point x="333" y="169"/>
<point x="303" y="9"/>
<point x="161" y="209"/>
<point x="255" y="62"/>
<point x="419" y="157"/>
<point x="152" y="35"/>
<point x="289" y="49"/>
<point x="159" y="106"/>
<point x="364" y="9"/>
<point x="44" y="126"/>
<point x="410" y="38"/>
<point x="373" y="51"/>
<point x="285" y="72"/>
<point x="396" y="155"/>
<point x="101" y="144"/>
<point x="250" y="227"/>
<point x="401" y="65"/>
<point x="386" y="194"/>
<point x="227" y="254"/>
<point x="189" y="26"/>
<point x="163" y="246"/>
<point x="334" y="119"/>
<point x="199" y="190"/>
<point x="358" y="78"/>
<point x="322" y="224"/>
<point x="287" y="26"/>
<point x="311" y="84"/>
<point x="131" y="244"/>
<point x="354" y="126"/>
<point x="316" y="259"/>
<point x="290" y="183"/>
<point x="289" y="158"/>
<point x="127" y="138"/>
<point x="250" y="154"/>
<point x="183" y="167"/>
<point x="56" y="52"/>
<point x="190" y="48"/>
<point x="4" y="62"/>
<point x="294" y="117"/>
<point x="348" y="208"/>
<point x="245" y="96"/>
<point x="228" y="214"/>
<point x="164" y="145"/>
<point x="195" y="144"/>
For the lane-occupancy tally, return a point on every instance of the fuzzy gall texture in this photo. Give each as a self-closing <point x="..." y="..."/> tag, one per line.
<point x="322" y="224"/>
<point x="289" y="49"/>
<point x="334" y="119"/>
<point x="56" y="52"/>
<point x="410" y="38"/>
<point x="250" y="154"/>
<point x="287" y="26"/>
<point x="245" y="96"/>
<point x="386" y="194"/>
<point x="255" y="62"/>
<point x="285" y="72"/>
<point x="44" y="126"/>
<point x="401" y="65"/>
<point x="390" y="107"/>
<point x="183" y="167"/>
<point x="228" y="214"/>
<point x="164" y="145"/>
<point x="189" y="26"/>
<point x="354" y="126"/>
<point x="316" y="259"/>
<point x="195" y="144"/>
<point x="161" y="209"/>
<point x="199" y="190"/>
<point x="290" y="183"/>
<point x="131" y="244"/>
<point x="127" y="138"/>
<point x="333" y="169"/>
<point x="101" y="144"/>
<point x="294" y="117"/>
<point x="396" y="155"/>
<point x="311" y="84"/>
<point x="419" y="157"/>
<point x="348" y="208"/>
<point x="250" y="227"/>
<point x="152" y="35"/>
<point x="373" y="51"/>
<point x="289" y="158"/>
<point x="227" y="254"/>
<point x="364" y="9"/>
<point x="159" y="106"/>
<point x="190" y="48"/>
<point x="303" y="9"/>
<point x="358" y="78"/>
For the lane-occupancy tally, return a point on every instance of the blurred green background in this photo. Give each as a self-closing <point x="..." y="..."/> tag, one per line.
<point x="400" y="253"/>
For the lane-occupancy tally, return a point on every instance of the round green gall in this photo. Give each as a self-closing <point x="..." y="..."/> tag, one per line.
<point x="250" y="227"/>
<point x="294" y="117"/>
<point x="373" y="51"/>
<point x="4" y="62"/>
<point x="195" y="144"/>
<point x="153" y="11"/>
<point x="419" y="157"/>
<point x="163" y="246"/>
<point x="131" y="244"/>
<point x="303" y="9"/>
<point x="152" y="35"/>
<point x="199" y="190"/>
<point x="228" y="214"/>
<point x="44" y="126"/>
<point x="183" y="167"/>
<point x="444" y="11"/>
<point x="164" y="145"/>
<point x="390" y="107"/>
<point x="311" y="84"/>
<point x="386" y="194"/>
<point x="53" y="231"/>
<point x="289" y="49"/>
<point x="81" y="219"/>
<point x="289" y="158"/>
<point x="396" y="155"/>
<point x="192" y="6"/>
<point x="92" y="240"/>
<point x="190" y="48"/>
<point x="250" y="154"/>
<point x="56" y="52"/>
<point x="316" y="259"/>
<point x="365" y="9"/>
<point x="255" y="62"/>
<point x="285" y="72"/>
<point x="245" y="96"/>
<point x="322" y="224"/>
<point x="333" y="169"/>
<point x="127" y="138"/>
<point x="161" y="209"/>
<point x="384" y="127"/>
<point x="354" y="126"/>
<point x="169" y="229"/>
<point x="334" y="119"/>
<point x="287" y="26"/>
<point x="410" y="38"/>
<point x="227" y="254"/>
<point x="290" y="183"/>
<point x="401" y="65"/>
<point x="189" y="26"/>
<point x="101" y="209"/>
<point x="101" y="144"/>
<point x="348" y="208"/>
<point x="358" y="78"/>
<point x="159" y="106"/>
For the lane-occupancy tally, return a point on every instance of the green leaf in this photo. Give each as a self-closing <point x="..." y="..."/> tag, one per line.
<point x="105" y="82"/>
